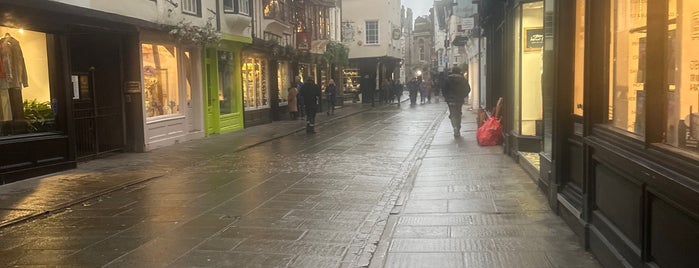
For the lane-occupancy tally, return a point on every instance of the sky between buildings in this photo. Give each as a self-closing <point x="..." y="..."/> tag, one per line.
<point x="419" y="7"/>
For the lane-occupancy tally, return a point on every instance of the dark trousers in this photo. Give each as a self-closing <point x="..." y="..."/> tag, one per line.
<point x="455" y="114"/>
<point x="311" y="111"/>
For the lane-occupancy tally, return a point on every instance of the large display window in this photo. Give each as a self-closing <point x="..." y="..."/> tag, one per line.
<point x="627" y="65"/>
<point x="284" y="81"/>
<point x="26" y="105"/>
<point x="529" y="25"/>
<point x="579" y="64"/>
<point x="682" y="82"/>
<point x="160" y="79"/>
<point x="255" y="88"/>
<point x="226" y="74"/>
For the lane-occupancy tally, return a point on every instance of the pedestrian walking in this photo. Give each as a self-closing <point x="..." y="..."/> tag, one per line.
<point x="330" y="96"/>
<point x="455" y="90"/>
<point x="421" y="88"/>
<point x="412" y="90"/>
<point x="397" y="90"/>
<point x="385" y="90"/>
<point x="311" y="96"/>
<point x="292" y="102"/>
<point x="300" y="105"/>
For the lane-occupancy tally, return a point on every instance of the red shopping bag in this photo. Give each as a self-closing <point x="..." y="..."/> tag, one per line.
<point x="490" y="133"/>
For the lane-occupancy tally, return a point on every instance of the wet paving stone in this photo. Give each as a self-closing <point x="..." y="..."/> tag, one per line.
<point x="322" y="200"/>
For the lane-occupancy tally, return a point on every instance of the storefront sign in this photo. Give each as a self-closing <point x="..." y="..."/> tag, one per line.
<point x="695" y="25"/>
<point x="534" y="38"/>
<point x="303" y="41"/>
<point x="132" y="87"/>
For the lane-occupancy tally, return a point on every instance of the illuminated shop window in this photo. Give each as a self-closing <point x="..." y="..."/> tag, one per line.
<point x="160" y="79"/>
<point x="255" y="89"/>
<point x="26" y="105"/>
<point x="628" y="65"/>
<point x="283" y="80"/>
<point x="682" y="82"/>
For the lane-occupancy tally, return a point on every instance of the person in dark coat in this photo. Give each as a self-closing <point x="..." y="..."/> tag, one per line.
<point x="299" y="97"/>
<point x="413" y="87"/>
<point x="455" y="90"/>
<point x="331" y="95"/>
<point x="311" y="96"/>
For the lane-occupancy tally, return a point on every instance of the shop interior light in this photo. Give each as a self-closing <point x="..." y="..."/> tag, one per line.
<point x="20" y="30"/>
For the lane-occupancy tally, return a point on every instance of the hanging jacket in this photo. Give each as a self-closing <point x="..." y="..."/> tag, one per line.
<point x="15" y="72"/>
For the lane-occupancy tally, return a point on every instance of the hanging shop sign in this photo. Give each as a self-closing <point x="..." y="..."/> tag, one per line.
<point x="303" y="41"/>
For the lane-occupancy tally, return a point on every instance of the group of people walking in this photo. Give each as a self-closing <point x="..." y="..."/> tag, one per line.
<point x="304" y="98"/>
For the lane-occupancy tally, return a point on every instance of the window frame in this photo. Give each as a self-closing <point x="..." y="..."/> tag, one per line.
<point x="236" y="7"/>
<point x="366" y="32"/>
<point x="195" y="3"/>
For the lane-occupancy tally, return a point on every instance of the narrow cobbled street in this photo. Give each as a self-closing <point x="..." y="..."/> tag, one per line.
<point x="382" y="187"/>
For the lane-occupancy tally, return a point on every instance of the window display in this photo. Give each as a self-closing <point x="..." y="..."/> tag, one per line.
<point x="627" y="65"/>
<point x="226" y="74"/>
<point x="255" y="83"/>
<point x="25" y="97"/>
<point x="529" y="64"/>
<point x="578" y="85"/>
<point x="283" y="80"/>
<point x="160" y="79"/>
<point x="683" y="75"/>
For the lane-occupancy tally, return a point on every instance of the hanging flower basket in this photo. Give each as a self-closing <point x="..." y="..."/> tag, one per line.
<point x="186" y="32"/>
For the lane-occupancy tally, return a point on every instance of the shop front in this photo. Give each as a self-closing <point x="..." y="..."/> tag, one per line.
<point x="60" y="89"/>
<point x="640" y="132"/>
<point x="223" y="83"/>
<point x="172" y="92"/>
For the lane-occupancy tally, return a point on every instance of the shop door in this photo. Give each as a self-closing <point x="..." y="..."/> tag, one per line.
<point x="97" y="105"/>
<point x="212" y="89"/>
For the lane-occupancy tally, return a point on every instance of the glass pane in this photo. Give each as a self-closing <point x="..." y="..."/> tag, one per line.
<point x="225" y="82"/>
<point x="517" y="68"/>
<point x="628" y="46"/>
<point x="579" y="73"/>
<point x="188" y="76"/>
<point x="532" y="64"/>
<point x="26" y="105"/>
<point x="160" y="79"/>
<point x="683" y="74"/>
<point x="284" y="81"/>
<point x="255" y="83"/>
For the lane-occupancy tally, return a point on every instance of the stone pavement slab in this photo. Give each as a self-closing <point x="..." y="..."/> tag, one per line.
<point x="472" y="206"/>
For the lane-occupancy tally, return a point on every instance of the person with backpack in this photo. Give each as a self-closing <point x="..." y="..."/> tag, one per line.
<point x="456" y="88"/>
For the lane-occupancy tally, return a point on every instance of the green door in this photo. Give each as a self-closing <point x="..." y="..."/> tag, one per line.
<point x="211" y="92"/>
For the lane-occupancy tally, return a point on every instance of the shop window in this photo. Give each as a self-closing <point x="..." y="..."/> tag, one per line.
<point x="372" y="32"/>
<point x="276" y="9"/>
<point x="531" y="68"/>
<point x="579" y="64"/>
<point x="26" y="104"/>
<point x="237" y="6"/>
<point x="682" y="89"/>
<point x="628" y="65"/>
<point x="255" y="83"/>
<point x="283" y="80"/>
<point x="160" y="80"/>
<point x="191" y="7"/>
<point x="226" y="74"/>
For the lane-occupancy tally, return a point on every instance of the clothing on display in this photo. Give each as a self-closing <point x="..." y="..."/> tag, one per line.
<point x="13" y="77"/>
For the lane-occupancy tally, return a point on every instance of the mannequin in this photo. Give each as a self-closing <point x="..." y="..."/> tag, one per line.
<point x="14" y="75"/>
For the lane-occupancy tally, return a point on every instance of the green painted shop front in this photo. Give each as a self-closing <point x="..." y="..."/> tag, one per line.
<point x="223" y="92"/>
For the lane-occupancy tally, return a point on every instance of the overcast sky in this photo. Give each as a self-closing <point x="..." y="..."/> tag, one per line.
<point x="419" y="7"/>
